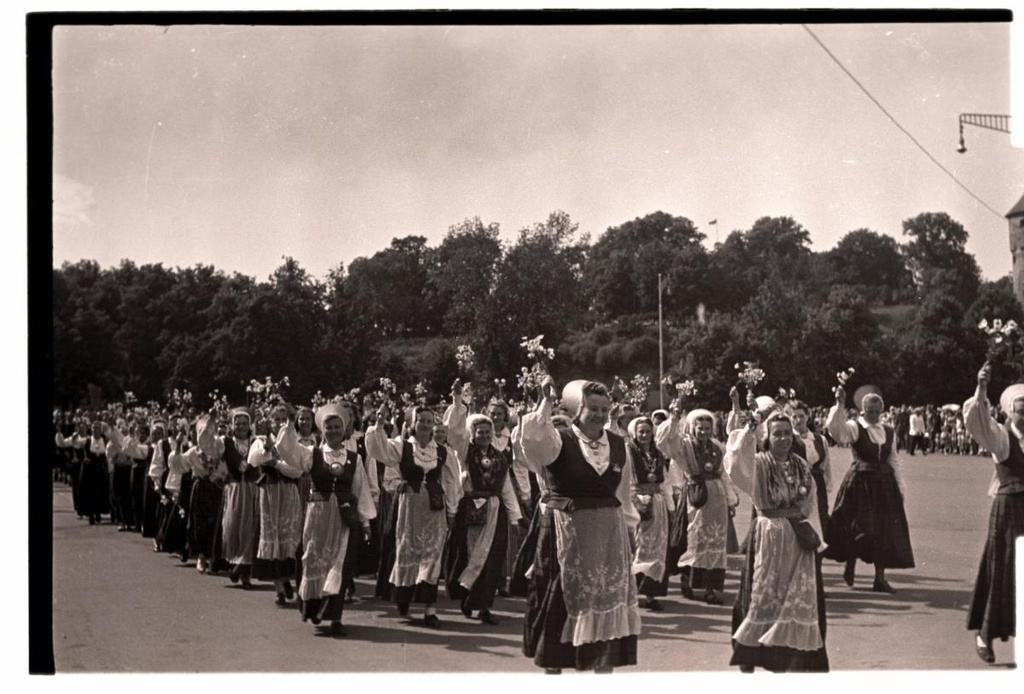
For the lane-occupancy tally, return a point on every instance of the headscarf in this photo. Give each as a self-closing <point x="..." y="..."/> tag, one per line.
<point x="635" y="422"/>
<point x="1012" y="393"/>
<point x="473" y="420"/>
<point x="239" y="412"/>
<point x="329" y="411"/>
<point x="693" y="415"/>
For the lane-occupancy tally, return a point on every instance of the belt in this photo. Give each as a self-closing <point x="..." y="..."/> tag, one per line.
<point x="791" y="512"/>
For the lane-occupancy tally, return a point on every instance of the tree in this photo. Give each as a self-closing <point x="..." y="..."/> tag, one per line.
<point x="936" y="256"/>
<point x="460" y="274"/>
<point x="872" y="263"/>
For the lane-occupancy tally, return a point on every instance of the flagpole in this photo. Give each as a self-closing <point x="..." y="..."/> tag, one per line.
<point x="661" y="354"/>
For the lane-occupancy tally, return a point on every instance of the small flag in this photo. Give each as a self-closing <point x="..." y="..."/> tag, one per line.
<point x="713" y="221"/>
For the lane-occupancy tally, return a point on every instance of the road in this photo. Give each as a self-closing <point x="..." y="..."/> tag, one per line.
<point x="119" y="607"/>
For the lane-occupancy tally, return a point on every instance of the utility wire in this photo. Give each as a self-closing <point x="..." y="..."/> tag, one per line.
<point x="896" y="123"/>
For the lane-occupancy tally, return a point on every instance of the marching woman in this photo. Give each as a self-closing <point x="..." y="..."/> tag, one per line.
<point x="709" y="495"/>
<point x="338" y="513"/>
<point x="304" y="421"/>
<point x="868" y="521"/>
<point x="581" y="611"/>
<point x="992" y="613"/>
<point x="428" y="496"/>
<point x="478" y="544"/>
<point x="280" y="509"/>
<point x="652" y="498"/>
<point x="93" y="486"/>
<point x="206" y="497"/>
<point x="75" y="446"/>
<point x="172" y="536"/>
<point x="812" y="447"/>
<point x="779" y="614"/>
<point x="235" y="539"/>
<point x="160" y="448"/>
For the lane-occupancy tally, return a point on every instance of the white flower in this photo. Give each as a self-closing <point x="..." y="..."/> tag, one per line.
<point x="983" y="325"/>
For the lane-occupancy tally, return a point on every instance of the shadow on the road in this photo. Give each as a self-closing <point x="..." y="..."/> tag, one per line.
<point x="468" y="637"/>
<point x="913" y="593"/>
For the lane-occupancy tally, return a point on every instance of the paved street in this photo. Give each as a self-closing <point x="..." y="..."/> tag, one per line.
<point x="119" y="607"/>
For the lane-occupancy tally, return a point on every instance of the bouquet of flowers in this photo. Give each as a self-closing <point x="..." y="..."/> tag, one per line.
<point x="129" y="398"/>
<point x="262" y="397"/>
<point x="318" y="400"/>
<point x="1004" y="339"/>
<point x="749" y="374"/>
<point x="219" y="407"/>
<point x="466" y="358"/>
<point x="540" y="356"/>
<point x="842" y="377"/>
<point x="421" y="391"/>
<point x="637" y="391"/>
<point x="786" y="394"/>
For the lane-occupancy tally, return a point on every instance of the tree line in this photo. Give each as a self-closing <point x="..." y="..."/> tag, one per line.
<point x="904" y="314"/>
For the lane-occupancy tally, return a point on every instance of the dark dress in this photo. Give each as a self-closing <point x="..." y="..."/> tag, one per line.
<point x="487" y="475"/>
<point x="868" y="521"/>
<point x="993" y="603"/>
<point x="574" y="486"/>
<point x="93" y="483"/>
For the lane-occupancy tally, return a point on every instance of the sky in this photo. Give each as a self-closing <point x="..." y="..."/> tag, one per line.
<point x="236" y="146"/>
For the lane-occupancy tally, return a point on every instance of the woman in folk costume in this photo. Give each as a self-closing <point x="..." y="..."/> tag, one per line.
<point x="280" y="509"/>
<point x="74" y="444"/>
<point x="992" y="612"/>
<point x="581" y="611"/>
<point x="338" y="513"/>
<point x="235" y="538"/>
<point x="160" y="447"/>
<point x="93" y="486"/>
<point x="307" y="436"/>
<point x="652" y="498"/>
<point x="428" y="496"/>
<point x="203" y="478"/>
<point x="710" y="493"/>
<point x="478" y="544"/>
<point x="812" y="447"/>
<point x="137" y="451"/>
<point x="868" y="521"/>
<point x="172" y="535"/>
<point x="779" y="614"/>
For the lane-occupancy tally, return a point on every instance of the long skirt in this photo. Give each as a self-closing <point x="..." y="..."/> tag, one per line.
<point x="385" y="529"/>
<point x="993" y="603"/>
<point x="122" y="494"/>
<point x="238" y="526"/>
<point x="652" y="550"/>
<point x="75" y="473"/>
<point x="150" y="508"/>
<point x="280" y="528"/>
<point x="330" y="554"/>
<point x="519" y="582"/>
<point x="476" y="556"/>
<point x="172" y="536"/>
<point x="869" y="522"/>
<point x="707" y="538"/>
<point x="778" y="618"/>
<point x="581" y="611"/>
<point x="93" y="489"/>
<point x="420" y="534"/>
<point x="678" y="530"/>
<point x="204" y="507"/>
<point x="139" y="483"/>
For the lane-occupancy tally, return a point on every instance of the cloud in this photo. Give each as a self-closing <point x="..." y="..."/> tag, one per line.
<point x="73" y="201"/>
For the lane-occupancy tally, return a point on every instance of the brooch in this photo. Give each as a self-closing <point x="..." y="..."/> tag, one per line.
<point x="485" y="462"/>
<point x="802" y="490"/>
<point x="651" y="477"/>
<point x="709" y="466"/>
<point x="336" y="468"/>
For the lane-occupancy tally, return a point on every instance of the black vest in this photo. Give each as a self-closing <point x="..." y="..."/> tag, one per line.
<point x="325" y="484"/>
<point x="233" y="460"/>
<point x="868" y="455"/>
<point x="575" y="484"/>
<point x="800" y="448"/>
<point x="1010" y="472"/>
<point x="413" y="474"/>
<point x="487" y="481"/>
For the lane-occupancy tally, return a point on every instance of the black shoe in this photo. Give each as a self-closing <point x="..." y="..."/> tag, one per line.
<point x="487" y="618"/>
<point x="882" y="587"/>
<point x="653" y="605"/>
<point x="233" y="576"/>
<point x="746" y="668"/>
<point x="92" y="521"/>
<point x="315" y="620"/>
<point x="432" y="621"/>
<point x="246" y="583"/>
<point x="288" y="592"/>
<point x="688" y="593"/>
<point x="281" y="600"/>
<point x="338" y="630"/>
<point x="713" y="597"/>
<point x="467" y="612"/>
<point x="985" y="652"/>
<point x="848" y="574"/>
<point x="552" y="671"/>
<point x="504" y="593"/>
<point x="403" y="609"/>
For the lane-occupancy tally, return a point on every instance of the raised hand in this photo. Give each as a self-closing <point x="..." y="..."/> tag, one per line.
<point x="547" y="389"/>
<point x="840" y="395"/>
<point x="984" y="375"/>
